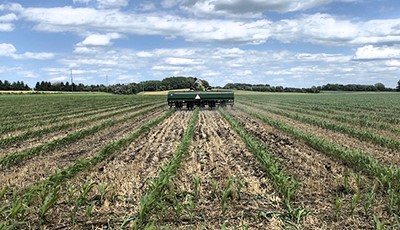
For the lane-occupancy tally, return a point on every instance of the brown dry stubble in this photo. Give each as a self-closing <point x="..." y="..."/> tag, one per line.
<point x="34" y="142"/>
<point x="40" y="167"/>
<point x="320" y="177"/>
<point x="126" y="175"/>
<point x="218" y="154"/>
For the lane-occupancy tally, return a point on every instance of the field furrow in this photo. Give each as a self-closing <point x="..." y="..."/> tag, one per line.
<point x="220" y="183"/>
<point x="39" y="168"/>
<point x="321" y="178"/>
<point x="387" y="156"/>
<point x="126" y="177"/>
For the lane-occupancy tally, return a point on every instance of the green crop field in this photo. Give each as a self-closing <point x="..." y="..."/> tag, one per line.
<point x="272" y="161"/>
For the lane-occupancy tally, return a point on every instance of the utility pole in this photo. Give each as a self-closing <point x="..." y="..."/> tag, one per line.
<point x="107" y="80"/>
<point x="72" y="82"/>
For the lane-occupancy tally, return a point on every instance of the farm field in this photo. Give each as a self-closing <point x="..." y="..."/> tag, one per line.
<point x="272" y="161"/>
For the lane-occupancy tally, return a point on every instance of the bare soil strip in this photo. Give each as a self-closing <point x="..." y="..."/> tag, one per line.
<point x="126" y="175"/>
<point x="39" y="168"/>
<point x="219" y="160"/>
<point x="385" y="155"/>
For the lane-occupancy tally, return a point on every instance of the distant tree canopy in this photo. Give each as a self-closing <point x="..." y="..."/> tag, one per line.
<point x="19" y="85"/>
<point x="180" y="82"/>
<point x="268" y="88"/>
<point x="131" y="88"/>
<point x="355" y="87"/>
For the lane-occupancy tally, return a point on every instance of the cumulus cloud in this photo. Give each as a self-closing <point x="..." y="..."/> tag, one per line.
<point x="5" y="22"/>
<point x="104" y="3"/>
<point x="99" y="39"/>
<point x="9" y="50"/>
<point x="181" y="61"/>
<point x="371" y="52"/>
<point x="249" y="8"/>
<point x="112" y="3"/>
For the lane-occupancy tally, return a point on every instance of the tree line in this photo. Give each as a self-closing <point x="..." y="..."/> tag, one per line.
<point x="18" y="85"/>
<point x="314" y="89"/>
<point x="269" y="88"/>
<point x="181" y="82"/>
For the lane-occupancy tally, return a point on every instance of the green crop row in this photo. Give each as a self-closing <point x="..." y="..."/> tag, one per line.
<point x="284" y="183"/>
<point x="389" y="176"/>
<point x="361" y="120"/>
<point x="21" y="125"/>
<point x="38" y="133"/>
<point x="149" y="201"/>
<point x="25" y="108"/>
<point x="360" y="134"/>
<point x="349" y="119"/>
<point x="38" y="199"/>
<point x="17" y="157"/>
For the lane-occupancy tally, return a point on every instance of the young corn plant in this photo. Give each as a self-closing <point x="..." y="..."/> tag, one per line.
<point x="338" y="207"/>
<point x="369" y="201"/>
<point x="49" y="199"/>
<point x="197" y="184"/>
<point x="354" y="201"/>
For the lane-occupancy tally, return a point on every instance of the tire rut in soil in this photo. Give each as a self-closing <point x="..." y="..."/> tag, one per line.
<point x="40" y="167"/>
<point x="127" y="175"/>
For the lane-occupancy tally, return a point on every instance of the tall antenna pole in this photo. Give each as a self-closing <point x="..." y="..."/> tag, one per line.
<point x="72" y="82"/>
<point x="107" y="80"/>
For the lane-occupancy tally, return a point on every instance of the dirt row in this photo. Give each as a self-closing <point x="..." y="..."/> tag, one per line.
<point x="36" y="141"/>
<point x="126" y="175"/>
<point x="219" y="161"/>
<point x="321" y="180"/>
<point x="385" y="155"/>
<point x="40" y="167"/>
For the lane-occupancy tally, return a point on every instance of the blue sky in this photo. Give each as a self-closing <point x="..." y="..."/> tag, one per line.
<point x="277" y="42"/>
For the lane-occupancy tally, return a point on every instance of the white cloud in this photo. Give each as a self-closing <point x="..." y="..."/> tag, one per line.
<point x="112" y="3"/>
<point x="6" y="27"/>
<point x="7" y="49"/>
<point x="37" y="56"/>
<point x="169" y="3"/>
<point x="181" y="61"/>
<point x="249" y="8"/>
<point x="59" y="79"/>
<point x="372" y="52"/>
<point x="99" y="39"/>
<point x="8" y="17"/>
<point x="14" y="7"/>
<point x="144" y="54"/>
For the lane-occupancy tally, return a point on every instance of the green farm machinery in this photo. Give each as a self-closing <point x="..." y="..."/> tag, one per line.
<point x="200" y="97"/>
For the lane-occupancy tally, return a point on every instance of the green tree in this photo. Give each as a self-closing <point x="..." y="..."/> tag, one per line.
<point x="380" y="86"/>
